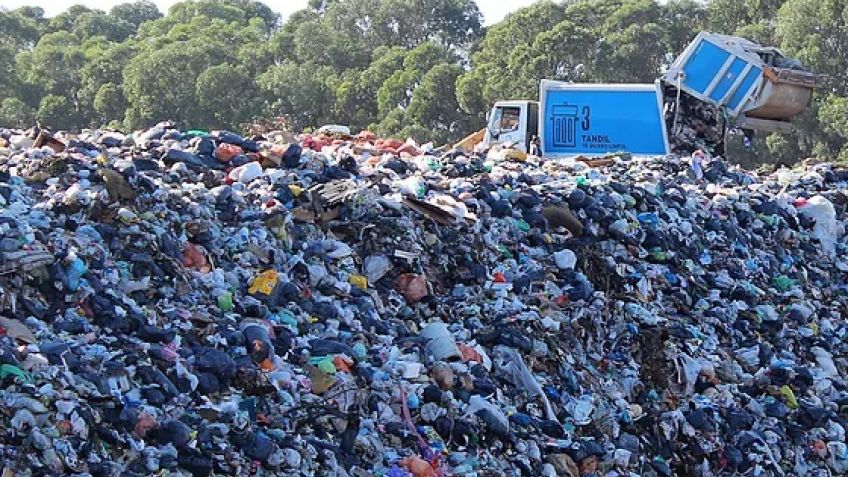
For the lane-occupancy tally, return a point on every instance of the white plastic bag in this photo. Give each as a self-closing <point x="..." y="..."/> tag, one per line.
<point x="826" y="230"/>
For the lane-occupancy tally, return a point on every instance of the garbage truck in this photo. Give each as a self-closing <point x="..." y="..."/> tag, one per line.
<point x="719" y="82"/>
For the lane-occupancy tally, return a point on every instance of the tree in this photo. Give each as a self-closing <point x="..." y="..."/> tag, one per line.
<point x="582" y="40"/>
<point x="21" y="28"/>
<point x="499" y="61"/>
<point x="630" y="39"/>
<point x="10" y="81"/>
<point x="325" y="43"/>
<point x="161" y="84"/>
<point x="472" y="100"/>
<point x="300" y="92"/>
<point x="253" y="52"/>
<point x="728" y="16"/>
<point x="566" y="53"/>
<point x="184" y="12"/>
<point x="752" y="19"/>
<point x="833" y="117"/>
<point x="397" y="90"/>
<point x="420" y="68"/>
<point x="67" y="20"/>
<point x="16" y="114"/>
<point x="55" y="63"/>
<point x="452" y="24"/>
<point x="227" y="11"/>
<point x="260" y="11"/>
<point x="418" y="97"/>
<point x="109" y="102"/>
<point x="97" y="23"/>
<point x="105" y="66"/>
<point x="815" y="32"/>
<point x="682" y="20"/>
<point x="52" y="68"/>
<point x="136" y="13"/>
<point x="783" y="148"/>
<point x="356" y="91"/>
<point x="56" y="112"/>
<point x="434" y="106"/>
<point x="347" y="33"/>
<point x="331" y="60"/>
<point x="226" y="94"/>
<point x="166" y="76"/>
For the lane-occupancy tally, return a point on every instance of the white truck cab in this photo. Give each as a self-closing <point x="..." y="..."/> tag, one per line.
<point x="513" y="122"/>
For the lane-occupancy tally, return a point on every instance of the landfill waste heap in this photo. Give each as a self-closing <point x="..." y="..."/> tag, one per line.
<point x="194" y="303"/>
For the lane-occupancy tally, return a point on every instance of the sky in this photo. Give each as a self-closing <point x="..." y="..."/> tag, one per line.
<point x="493" y="10"/>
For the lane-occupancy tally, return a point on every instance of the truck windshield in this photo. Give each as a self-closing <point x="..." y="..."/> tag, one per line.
<point x="507" y="118"/>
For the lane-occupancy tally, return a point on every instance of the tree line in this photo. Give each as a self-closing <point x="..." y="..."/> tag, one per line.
<point x="426" y="69"/>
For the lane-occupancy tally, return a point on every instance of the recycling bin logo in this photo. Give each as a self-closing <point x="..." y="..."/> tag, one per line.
<point x="564" y="118"/>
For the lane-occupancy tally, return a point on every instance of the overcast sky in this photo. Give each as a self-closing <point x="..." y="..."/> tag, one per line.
<point x="493" y="10"/>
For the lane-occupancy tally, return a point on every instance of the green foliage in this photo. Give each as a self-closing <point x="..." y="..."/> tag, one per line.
<point x="420" y="68"/>
<point x="16" y="114"/>
<point x="67" y="20"/>
<point x="55" y="63"/>
<point x="631" y="41"/>
<point x="817" y="32"/>
<point x="161" y="84"/>
<point x="833" y="117"/>
<point x="752" y="19"/>
<point x="582" y="40"/>
<point x="783" y="149"/>
<point x="56" y="112"/>
<point x="356" y="93"/>
<point x="680" y="19"/>
<point x="419" y="98"/>
<point x="300" y="92"/>
<point x="136" y="13"/>
<point x="21" y="28"/>
<point x="97" y="23"/>
<point x="434" y="107"/>
<point x="227" y="95"/>
<point x="10" y="81"/>
<point x="105" y="66"/>
<point x="499" y="64"/>
<point x="109" y="102"/>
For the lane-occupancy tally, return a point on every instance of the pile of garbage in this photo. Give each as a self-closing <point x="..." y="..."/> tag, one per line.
<point x="693" y="124"/>
<point x="201" y="303"/>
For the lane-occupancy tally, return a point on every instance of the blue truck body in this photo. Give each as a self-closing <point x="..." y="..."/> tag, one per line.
<point x="587" y="119"/>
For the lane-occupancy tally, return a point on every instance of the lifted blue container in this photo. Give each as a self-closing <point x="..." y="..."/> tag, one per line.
<point x="748" y="80"/>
